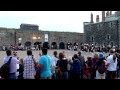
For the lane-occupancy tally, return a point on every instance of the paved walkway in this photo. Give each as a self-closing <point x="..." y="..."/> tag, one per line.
<point x="68" y="54"/>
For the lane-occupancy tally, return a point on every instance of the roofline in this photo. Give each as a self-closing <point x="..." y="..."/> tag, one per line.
<point x="29" y="24"/>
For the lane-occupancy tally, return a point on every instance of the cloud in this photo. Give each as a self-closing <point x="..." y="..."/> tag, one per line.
<point x="71" y="21"/>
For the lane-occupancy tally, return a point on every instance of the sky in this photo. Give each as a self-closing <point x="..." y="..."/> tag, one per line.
<point x="67" y="21"/>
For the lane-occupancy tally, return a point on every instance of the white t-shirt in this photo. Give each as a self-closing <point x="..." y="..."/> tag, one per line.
<point x="17" y="73"/>
<point x="54" y="60"/>
<point x="13" y="64"/>
<point x="112" y="65"/>
<point x="53" y="63"/>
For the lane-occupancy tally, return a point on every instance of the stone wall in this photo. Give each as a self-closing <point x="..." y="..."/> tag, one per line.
<point x="11" y="36"/>
<point x="100" y="33"/>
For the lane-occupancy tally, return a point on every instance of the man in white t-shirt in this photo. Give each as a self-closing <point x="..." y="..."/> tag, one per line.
<point x="53" y="64"/>
<point x="112" y="65"/>
<point x="13" y="64"/>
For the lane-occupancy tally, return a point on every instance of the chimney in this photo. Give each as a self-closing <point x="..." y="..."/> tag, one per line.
<point x="103" y="15"/>
<point x="97" y="18"/>
<point x="91" y="18"/>
<point x="118" y="13"/>
<point x="110" y="12"/>
<point x="107" y="13"/>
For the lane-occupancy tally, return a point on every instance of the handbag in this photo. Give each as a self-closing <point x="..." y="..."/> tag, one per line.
<point x="58" y="71"/>
<point x="35" y="64"/>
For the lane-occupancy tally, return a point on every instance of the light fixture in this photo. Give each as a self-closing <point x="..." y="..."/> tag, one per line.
<point x="34" y="37"/>
<point x="38" y="37"/>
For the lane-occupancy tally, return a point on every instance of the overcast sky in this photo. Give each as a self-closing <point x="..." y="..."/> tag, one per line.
<point x="70" y="21"/>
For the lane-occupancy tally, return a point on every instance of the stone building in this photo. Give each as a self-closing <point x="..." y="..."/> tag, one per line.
<point x="49" y="39"/>
<point x="29" y="27"/>
<point x="105" y="32"/>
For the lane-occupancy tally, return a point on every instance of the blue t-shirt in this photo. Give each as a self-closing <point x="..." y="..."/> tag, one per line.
<point x="45" y="60"/>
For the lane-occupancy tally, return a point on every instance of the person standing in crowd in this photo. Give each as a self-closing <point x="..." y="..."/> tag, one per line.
<point x="99" y="63"/>
<point x="45" y="65"/>
<point x="21" y="69"/>
<point x="40" y="54"/>
<point x="29" y="63"/>
<point x="82" y="61"/>
<point x="69" y="66"/>
<point x="86" y="72"/>
<point x="53" y="63"/>
<point x="76" y="68"/>
<point x="117" y="53"/>
<point x="64" y="54"/>
<point x="62" y="63"/>
<point x="111" y="65"/>
<point x="16" y="56"/>
<point x="93" y="70"/>
<point x="13" y="64"/>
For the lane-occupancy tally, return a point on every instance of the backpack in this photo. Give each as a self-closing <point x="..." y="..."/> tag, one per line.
<point x="102" y="68"/>
<point x="86" y="69"/>
<point x="4" y="70"/>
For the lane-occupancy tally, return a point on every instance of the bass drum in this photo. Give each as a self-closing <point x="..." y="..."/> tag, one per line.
<point x="28" y="43"/>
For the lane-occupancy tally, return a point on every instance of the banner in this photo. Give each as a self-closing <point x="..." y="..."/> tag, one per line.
<point x="19" y="40"/>
<point x="46" y="37"/>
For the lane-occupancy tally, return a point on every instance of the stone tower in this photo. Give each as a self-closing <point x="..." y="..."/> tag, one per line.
<point x="103" y="16"/>
<point x="91" y="17"/>
<point x="118" y="13"/>
<point x="110" y="12"/>
<point x="97" y="18"/>
<point x="107" y="13"/>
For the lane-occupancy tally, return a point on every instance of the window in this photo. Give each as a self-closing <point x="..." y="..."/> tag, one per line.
<point x="87" y="28"/>
<point x="112" y="43"/>
<point x="110" y="24"/>
<point x="104" y="44"/>
<point x="108" y="37"/>
<point x="98" y="26"/>
<point x="95" y="44"/>
<point x="92" y="38"/>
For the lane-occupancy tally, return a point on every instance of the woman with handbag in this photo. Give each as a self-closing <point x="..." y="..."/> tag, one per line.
<point x="62" y="63"/>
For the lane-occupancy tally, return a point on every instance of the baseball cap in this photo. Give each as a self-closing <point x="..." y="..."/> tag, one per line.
<point x="100" y="56"/>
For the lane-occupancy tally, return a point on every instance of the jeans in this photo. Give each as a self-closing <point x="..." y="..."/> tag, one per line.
<point x="111" y="74"/>
<point x="100" y="76"/>
<point x="75" y="76"/>
<point x="65" y="75"/>
<point x="118" y="73"/>
<point x="45" y="77"/>
<point x="12" y="76"/>
<point x="20" y="76"/>
<point x="54" y="76"/>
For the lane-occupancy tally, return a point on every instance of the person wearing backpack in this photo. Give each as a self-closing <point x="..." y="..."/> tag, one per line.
<point x="13" y="65"/>
<point x="82" y="60"/>
<point x="100" y="67"/>
<point x="76" y="68"/>
<point x="86" y="71"/>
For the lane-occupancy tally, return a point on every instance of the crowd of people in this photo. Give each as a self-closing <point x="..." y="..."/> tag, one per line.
<point x="61" y="67"/>
<point x="83" y="47"/>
